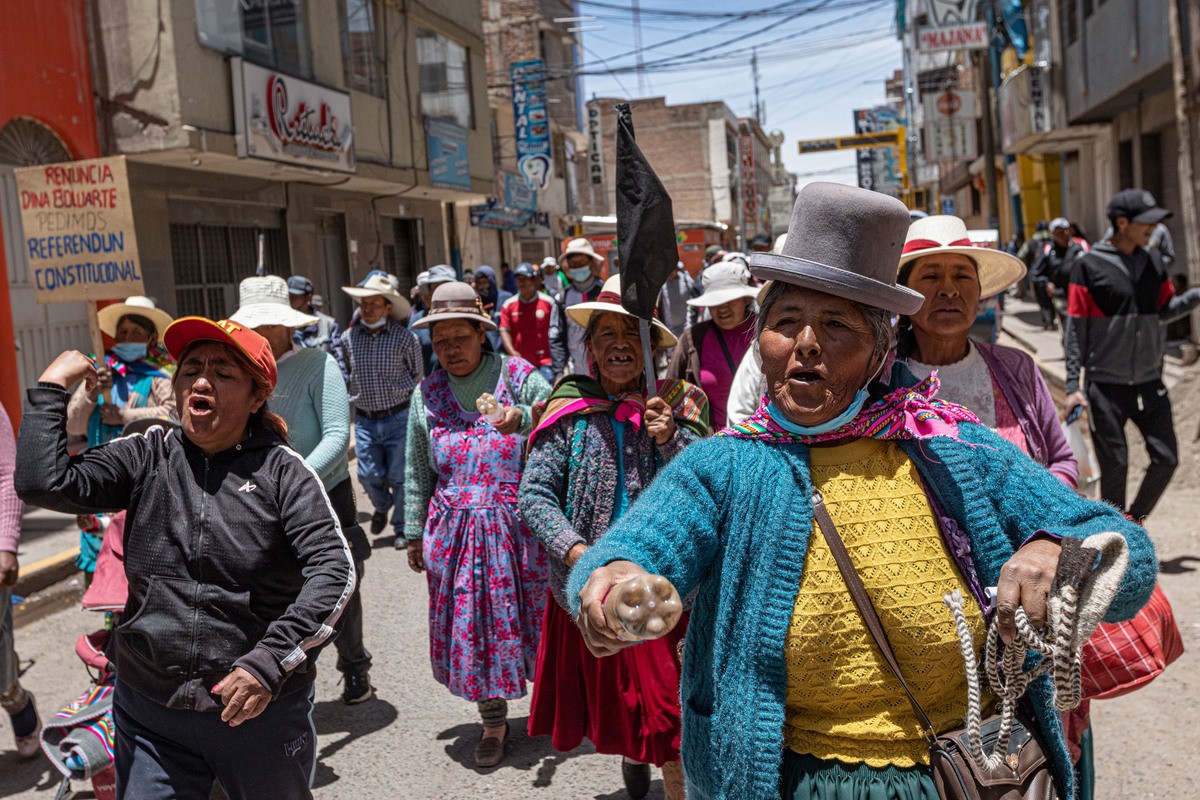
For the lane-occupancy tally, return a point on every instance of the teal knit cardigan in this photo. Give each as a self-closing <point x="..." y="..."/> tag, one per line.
<point x="730" y="519"/>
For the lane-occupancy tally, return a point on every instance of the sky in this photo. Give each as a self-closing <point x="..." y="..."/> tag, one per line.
<point x="818" y="61"/>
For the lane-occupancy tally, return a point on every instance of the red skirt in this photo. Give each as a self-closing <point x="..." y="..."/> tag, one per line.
<point x="627" y="704"/>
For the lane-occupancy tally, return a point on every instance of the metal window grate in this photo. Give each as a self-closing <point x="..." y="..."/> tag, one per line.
<point x="211" y="260"/>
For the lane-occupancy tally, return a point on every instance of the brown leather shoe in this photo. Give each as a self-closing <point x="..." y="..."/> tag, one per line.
<point x="490" y="750"/>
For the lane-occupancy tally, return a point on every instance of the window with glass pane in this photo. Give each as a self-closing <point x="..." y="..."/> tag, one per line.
<point x="357" y="21"/>
<point x="270" y="32"/>
<point x="445" y="78"/>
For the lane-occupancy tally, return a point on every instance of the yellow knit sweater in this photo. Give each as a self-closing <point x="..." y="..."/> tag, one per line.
<point x="842" y="700"/>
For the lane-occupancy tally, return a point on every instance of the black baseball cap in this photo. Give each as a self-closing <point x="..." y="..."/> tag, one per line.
<point x="1136" y="205"/>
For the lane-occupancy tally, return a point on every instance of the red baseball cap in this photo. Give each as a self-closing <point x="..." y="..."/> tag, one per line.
<point x="185" y="330"/>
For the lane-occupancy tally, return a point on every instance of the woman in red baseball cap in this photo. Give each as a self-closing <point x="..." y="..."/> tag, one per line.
<point x="237" y="567"/>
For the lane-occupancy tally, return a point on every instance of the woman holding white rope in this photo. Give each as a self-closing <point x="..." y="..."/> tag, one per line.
<point x="784" y="690"/>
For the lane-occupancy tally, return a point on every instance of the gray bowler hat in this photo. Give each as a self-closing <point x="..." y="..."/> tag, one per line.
<point x="846" y="242"/>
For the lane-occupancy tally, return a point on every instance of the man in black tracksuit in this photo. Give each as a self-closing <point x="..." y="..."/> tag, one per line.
<point x="1118" y="302"/>
<point x="1051" y="270"/>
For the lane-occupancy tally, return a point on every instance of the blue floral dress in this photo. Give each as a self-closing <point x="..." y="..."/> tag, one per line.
<point x="487" y="574"/>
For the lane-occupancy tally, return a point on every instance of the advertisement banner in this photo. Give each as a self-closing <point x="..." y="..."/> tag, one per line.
<point x="449" y="161"/>
<point x="749" y="187"/>
<point x="516" y="192"/>
<point x="595" y="146"/>
<point x="78" y="224"/>
<point x="956" y="26"/>
<point x="877" y="167"/>
<point x="281" y="118"/>
<point x="531" y="118"/>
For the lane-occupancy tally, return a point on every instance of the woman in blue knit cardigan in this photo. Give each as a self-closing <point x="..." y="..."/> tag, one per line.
<point x="730" y="521"/>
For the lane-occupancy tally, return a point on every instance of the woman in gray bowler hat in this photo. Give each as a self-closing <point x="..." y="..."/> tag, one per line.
<point x="783" y="691"/>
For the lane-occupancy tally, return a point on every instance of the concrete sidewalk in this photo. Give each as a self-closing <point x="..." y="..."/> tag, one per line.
<point x="1022" y="328"/>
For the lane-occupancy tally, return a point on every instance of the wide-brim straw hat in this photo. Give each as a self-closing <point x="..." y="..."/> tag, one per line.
<point x="581" y="247"/>
<point x="998" y="270"/>
<point x="609" y="301"/>
<point x="138" y="304"/>
<point x="264" y="301"/>
<point x="724" y="282"/>
<point x="381" y="286"/>
<point x="846" y="242"/>
<point x="455" y="300"/>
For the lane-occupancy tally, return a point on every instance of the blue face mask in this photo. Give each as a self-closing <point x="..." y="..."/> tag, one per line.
<point x="860" y="399"/>
<point x="580" y="274"/>
<point x="377" y="324"/>
<point x="856" y="405"/>
<point x="130" y="351"/>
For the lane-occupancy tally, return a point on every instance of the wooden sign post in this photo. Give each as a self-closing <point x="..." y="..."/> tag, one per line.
<point x="79" y="236"/>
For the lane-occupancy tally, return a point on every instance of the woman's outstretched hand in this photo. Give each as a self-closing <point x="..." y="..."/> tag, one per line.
<point x="1025" y="581"/>
<point x="69" y="368"/>
<point x="639" y="606"/>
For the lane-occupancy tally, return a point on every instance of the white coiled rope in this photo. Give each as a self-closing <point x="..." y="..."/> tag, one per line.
<point x="1067" y="629"/>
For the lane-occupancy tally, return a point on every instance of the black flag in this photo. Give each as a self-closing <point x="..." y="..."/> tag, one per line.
<point x="645" y="224"/>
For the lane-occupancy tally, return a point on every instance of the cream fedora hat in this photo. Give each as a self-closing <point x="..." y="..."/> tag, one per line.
<point x="138" y="305"/>
<point x="945" y="234"/>
<point x="264" y="301"/>
<point x="609" y="300"/>
<point x="381" y="286"/>
<point x="455" y="300"/>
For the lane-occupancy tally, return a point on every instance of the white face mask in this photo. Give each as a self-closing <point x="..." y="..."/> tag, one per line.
<point x="376" y="325"/>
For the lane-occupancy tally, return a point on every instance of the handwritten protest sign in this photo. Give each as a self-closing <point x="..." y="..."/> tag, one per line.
<point x="79" y="234"/>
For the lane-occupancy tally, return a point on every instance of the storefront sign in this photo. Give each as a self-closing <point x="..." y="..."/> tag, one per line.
<point x="955" y="27"/>
<point x="749" y="186"/>
<point x="538" y="227"/>
<point x="1024" y="111"/>
<point x="449" y="162"/>
<point x="950" y="126"/>
<point x="281" y="118"/>
<point x="515" y="192"/>
<point x="78" y="224"/>
<point x="493" y="216"/>
<point x="531" y="118"/>
<point x="595" y="146"/>
<point x="970" y="36"/>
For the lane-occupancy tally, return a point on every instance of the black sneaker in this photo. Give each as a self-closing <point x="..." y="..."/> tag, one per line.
<point x="637" y="779"/>
<point x="357" y="688"/>
<point x="378" y="521"/>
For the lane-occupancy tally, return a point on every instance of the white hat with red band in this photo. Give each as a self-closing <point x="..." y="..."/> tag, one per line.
<point x="946" y="234"/>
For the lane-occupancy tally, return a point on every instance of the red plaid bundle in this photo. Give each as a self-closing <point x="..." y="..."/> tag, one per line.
<point x="1122" y="656"/>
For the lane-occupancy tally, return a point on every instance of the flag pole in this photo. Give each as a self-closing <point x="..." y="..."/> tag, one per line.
<point x="648" y="356"/>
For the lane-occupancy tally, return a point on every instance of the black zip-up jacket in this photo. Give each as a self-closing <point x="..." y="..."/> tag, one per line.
<point x="233" y="561"/>
<point x="1117" y="308"/>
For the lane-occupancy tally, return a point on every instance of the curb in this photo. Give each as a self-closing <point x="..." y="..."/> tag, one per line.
<point x="46" y="572"/>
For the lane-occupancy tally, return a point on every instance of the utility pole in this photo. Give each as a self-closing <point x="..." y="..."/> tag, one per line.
<point x="636" y="11"/>
<point x="1183" y="76"/>
<point x="756" y="76"/>
<point x="984" y="66"/>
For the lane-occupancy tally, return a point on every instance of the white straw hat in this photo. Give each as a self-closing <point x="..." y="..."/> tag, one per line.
<point x="581" y="247"/>
<point x="139" y="305"/>
<point x="264" y="301"/>
<point x="609" y="300"/>
<point x="379" y="285"/>
<point x="724" y="282"/>
<point x="946" y="234"/>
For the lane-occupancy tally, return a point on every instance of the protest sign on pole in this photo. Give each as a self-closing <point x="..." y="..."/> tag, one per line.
<point x="79" y="237"/>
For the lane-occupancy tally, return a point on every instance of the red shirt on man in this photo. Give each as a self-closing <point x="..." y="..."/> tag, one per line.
<point x="528" y="323"/>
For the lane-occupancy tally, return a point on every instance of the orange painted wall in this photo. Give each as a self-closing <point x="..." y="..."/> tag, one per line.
<point x="45" y="73"/>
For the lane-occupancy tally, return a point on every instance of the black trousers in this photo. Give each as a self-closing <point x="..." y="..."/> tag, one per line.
<point x="1045" y="303"/>
<point x="171" y="754"/>
<point x="1110" y="406"/>
<point x="353" y="655"/>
